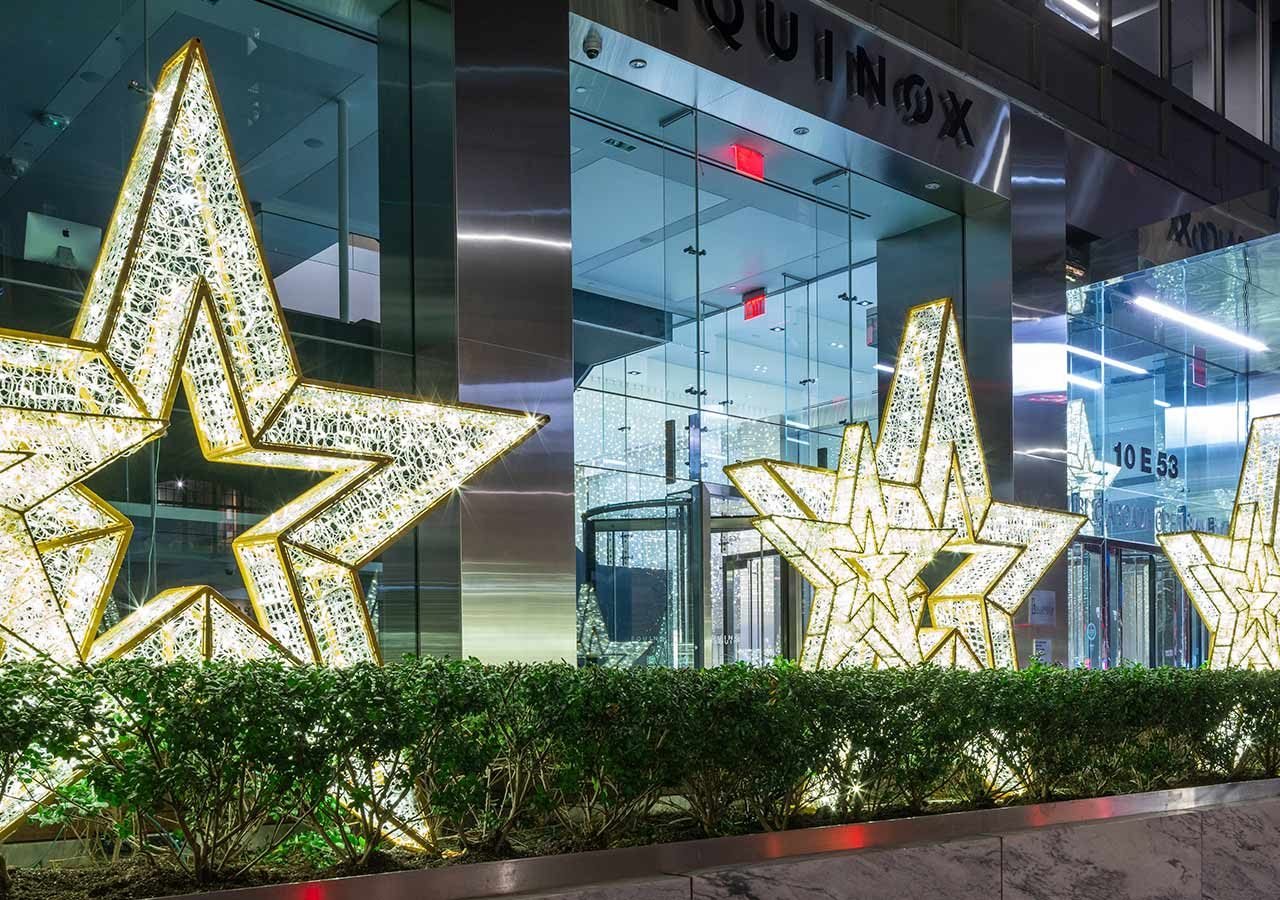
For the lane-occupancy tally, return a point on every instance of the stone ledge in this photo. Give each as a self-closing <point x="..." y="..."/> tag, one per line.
<point x="1218" y="842"/>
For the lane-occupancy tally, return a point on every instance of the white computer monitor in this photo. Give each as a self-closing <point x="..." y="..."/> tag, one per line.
<point x="70" y="245"/>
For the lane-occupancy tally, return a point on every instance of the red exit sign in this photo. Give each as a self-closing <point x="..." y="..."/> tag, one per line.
<point x="748" y="162"/>
<point x="753" y="305"/>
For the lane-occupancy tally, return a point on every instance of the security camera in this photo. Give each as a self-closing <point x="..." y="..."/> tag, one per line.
<point x="592" y="44"/>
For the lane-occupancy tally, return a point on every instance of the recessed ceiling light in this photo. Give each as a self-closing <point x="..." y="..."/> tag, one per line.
<point x="800" y="130"/>
<point x="638" y="63"/>
<point x="633" y="371"/>
<point x="932" y="186"/>
<point x="778" y="328"/>
<point x="837" y="345"/>
<point x="314" y="143"/>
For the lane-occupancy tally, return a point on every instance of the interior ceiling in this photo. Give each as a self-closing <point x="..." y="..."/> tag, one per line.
<point x="633" y="218"/>
<point x="807" y="237"/>
<point x="277" y="75"/>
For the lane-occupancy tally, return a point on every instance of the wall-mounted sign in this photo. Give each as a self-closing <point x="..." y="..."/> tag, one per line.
<point x="1145" y="460"/>
<point x="777" y="32"/>
<point x="814" y="60"/>
<point x="1215" y="228"/>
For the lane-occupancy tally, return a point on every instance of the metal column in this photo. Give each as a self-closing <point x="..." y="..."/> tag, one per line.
<point x="1038" y="219"/>
<point x="514" y="322"/>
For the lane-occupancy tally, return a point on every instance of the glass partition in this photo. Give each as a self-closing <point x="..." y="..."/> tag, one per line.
<point x="724" y="310"/>
<point x="1164" y="370"/>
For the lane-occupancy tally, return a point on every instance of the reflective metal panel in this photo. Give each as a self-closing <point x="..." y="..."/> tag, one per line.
<point x="1038" y="218"/>
<point x="515" y="322"/>
<point x="828" y="66"/>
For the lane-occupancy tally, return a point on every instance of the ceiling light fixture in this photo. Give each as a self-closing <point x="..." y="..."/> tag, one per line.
<point x="1083" y="9"/>
<point x="638" y="63"/>
<point x="800" y="130"/>
<point x="778" y="328"/>
<point x="1198" y="324"/>
<point x="1106" y="360"/>
<point x="1081" y="381"/>
<point x="932" y="185"/>
<point x="1163" y="404"/>
<point x="881" y="367"/>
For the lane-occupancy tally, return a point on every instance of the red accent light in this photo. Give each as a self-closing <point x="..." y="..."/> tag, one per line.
<point x="1199" y="372"/>
<point x="748" y="162"/>
<point x="753" y="305"/>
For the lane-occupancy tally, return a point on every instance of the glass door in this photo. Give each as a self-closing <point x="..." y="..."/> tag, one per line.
<point x="635" y="601"/>
<point x="749" y="598"/>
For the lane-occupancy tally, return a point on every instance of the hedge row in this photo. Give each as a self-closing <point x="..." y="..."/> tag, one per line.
<point x="214" y="766"/>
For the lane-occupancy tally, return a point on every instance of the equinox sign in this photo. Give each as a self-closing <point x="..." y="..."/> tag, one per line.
<point x="780" y="36"/>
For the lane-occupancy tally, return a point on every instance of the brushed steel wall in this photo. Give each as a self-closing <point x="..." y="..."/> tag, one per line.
<point x="1038" y="217"/>
<point x="476" y="284"/>
<point x="515" y="322"/>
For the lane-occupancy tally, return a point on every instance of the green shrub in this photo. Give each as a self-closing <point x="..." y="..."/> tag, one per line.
<point x="219" y="762"/>
<point x="215" y="766"/>
<point x="42" y="715"/>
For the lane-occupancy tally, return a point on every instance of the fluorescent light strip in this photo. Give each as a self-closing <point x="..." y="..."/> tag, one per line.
<point x="883" y="368"/>
<point x="1081" y="381"/>
<point x="1106" y="360"/>
<point x="1198" y="324"/>
<point x="1163" y="404"/>
<point x="1083" y="8"/>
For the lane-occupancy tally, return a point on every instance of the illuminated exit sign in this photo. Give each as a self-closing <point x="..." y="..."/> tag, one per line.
<point x="748" y="162"/>
<point x="753" y="305"/>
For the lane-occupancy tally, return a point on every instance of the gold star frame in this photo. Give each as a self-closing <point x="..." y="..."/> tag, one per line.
<point x="864" y="534"/>
<point x="1234" y="579"/>
<point x="181" y="295"/>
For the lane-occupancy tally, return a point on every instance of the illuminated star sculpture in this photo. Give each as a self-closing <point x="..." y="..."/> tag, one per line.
<point x="1234" y="579"/>
<point x="181" y="296"/>
<point x="1087" y="475"/>
<point x="864" y="534"/>
<point x="594" y="642"/>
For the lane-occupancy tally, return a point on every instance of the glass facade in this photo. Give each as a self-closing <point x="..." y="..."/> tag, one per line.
<point x="1158" y="401"/>
<point x="726" y="294"/>
<point x="300" y="94"/>
<point x="1221" y="53"/>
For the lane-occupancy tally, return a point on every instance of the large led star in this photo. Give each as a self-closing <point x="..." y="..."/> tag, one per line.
<point x="181" y="296"/>
<point x="1234" y="579"/>
<point x="864" y="534"/>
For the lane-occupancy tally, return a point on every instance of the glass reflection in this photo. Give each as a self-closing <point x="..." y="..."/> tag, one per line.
<point x="722" y="313"/>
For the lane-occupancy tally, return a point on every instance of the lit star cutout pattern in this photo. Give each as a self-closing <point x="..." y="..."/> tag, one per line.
<point x="1087" y="476"/>
<point x="1234" y="579"/>
<point x="864" y="534"/>
<point x="181" y="297"/>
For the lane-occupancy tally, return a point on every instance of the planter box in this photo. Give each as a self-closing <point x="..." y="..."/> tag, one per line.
<point x="1218" y="842"/>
